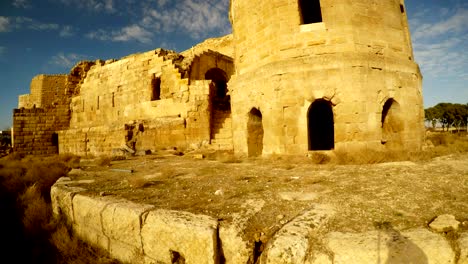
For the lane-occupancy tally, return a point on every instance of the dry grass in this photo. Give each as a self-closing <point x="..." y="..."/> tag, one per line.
<point x="25" y="184"/>
<point x="74" y="251"/>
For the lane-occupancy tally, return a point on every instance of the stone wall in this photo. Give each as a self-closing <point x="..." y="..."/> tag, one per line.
<point x="137" y="233"/>
<point x="46" y="90"/>
<point x="161" y="93"/>
<point x="357" y="59"/>
<point x="40" y="115"/>
<point x="35" y="129"/>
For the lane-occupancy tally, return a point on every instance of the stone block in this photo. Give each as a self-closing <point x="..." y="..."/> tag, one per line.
<point x="125" y="253"/>
<point x="291" y="243"/>
<point x="62" y="198"/>
<point x="463" y="245"/>
<point x="390" y="246"/>
<point x="121" y="222"/>
<point x="234" y="248"/>
<point x="87" y="211"/>
<point x="194" y="237"/>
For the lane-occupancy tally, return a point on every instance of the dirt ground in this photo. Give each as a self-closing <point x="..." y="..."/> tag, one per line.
<point x="405" y="194"/>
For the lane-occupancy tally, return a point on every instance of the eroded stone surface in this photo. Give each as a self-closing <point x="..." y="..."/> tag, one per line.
<point x="192" y="236"/>
<point x="291" y="243"/>
<point x="122" y="222"/>
<point x="62" y="198"/>
<point x="463" y="245"/>
<point x="390" y="246"/>
<point x="444" y="223"/>
<point x="234" y="248"/>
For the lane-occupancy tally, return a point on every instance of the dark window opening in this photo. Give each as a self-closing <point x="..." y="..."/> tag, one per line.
<point x="255" y="133"/>
<point x="113" y="99"/>
<point x="310" y="11"/>
<point x="55" y="140"/>
<point x="321" y="126"/>
<point x="155" y="89"/>
<point x="402" y="8"/>
<point x="97" y="106"/>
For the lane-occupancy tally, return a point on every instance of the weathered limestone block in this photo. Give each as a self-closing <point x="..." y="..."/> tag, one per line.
<point x="390" y="246"/>
<point x="234" y="248"/>
<point x="444" y="223"/>
<point x="62" y="198"/>
<point x="291" y="243"/>
<point x="87" y="215"/>
<point x="122" y="222"/>
<point x="193" y="237"/>
<point x="463" y="245"/>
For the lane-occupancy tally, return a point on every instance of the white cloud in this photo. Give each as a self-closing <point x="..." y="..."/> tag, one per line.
<point x="21" y="4"/>
<point x="196" y="18"/>
<point x="66" y="31"/>
<point x="128" y="33"/>
<point x="29" y="23"/>
<point x="9" y="23"/>
<point x="133" y="32"/>
<point x="93" y="5"/>
<point x="162" y="3"/>
<point x="455" y="23"/>
<point x="440" y="42"/>
<point x="67" y="60"/>
<point x="4" y="24"/>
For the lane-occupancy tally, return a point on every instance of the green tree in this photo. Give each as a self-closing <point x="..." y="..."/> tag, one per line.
<point x="448" y="115"/>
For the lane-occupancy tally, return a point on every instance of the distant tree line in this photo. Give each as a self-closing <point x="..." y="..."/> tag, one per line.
<point x="447" y="115"/>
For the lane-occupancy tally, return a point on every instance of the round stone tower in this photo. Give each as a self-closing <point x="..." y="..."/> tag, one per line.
<point x="323" y="75"/>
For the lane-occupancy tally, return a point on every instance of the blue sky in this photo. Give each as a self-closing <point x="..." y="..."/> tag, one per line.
<point x="50" y="36"/>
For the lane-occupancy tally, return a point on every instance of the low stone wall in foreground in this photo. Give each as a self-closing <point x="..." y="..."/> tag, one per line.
<point x="141" y="233"/>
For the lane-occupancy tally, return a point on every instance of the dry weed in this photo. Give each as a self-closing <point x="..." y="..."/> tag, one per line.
<point x="320" y="158"/>
<point x="25" y="194"/>
<point x="104" y="161"/>
<point x="36" y="211"/>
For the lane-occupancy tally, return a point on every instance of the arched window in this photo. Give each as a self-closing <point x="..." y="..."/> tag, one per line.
<point x="321" y="126"/>
<point x="255" y="133"/>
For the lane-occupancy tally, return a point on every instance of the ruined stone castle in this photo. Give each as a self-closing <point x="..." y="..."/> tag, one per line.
<point x="295" y="76"/>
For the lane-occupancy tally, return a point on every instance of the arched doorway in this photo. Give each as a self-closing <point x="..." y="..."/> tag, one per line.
<point x="320" y="125"/>
<point x="218" y="92"/>
<point x="220" y="109"/>
<point x="391" y="123"/>
<point x="255" y="133"/>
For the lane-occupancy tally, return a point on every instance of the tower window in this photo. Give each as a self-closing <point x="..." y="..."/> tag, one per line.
<point x="155" y="89"/>
<point x="402" y="8"/>
<point x="310" y="11"/>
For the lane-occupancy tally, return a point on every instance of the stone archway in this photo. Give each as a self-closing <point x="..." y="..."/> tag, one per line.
<point x="218" y="92"/>
<point x="255" y="133"/>
<point x="321" y="129"/>
<point x="220" y="110"/>
<point x="391" y="123"/>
